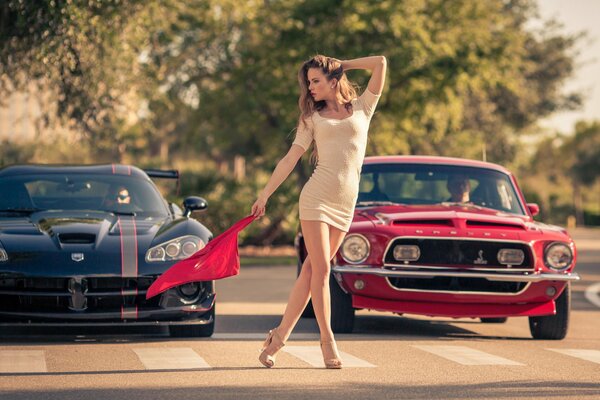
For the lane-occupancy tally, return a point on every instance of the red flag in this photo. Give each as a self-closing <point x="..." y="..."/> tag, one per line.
<point x="218" y="259"/>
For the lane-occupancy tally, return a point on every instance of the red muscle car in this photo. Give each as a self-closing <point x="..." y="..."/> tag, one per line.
<point x="449" y="237"/>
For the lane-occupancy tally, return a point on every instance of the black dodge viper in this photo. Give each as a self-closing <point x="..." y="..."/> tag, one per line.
<point x="80" y="245"/>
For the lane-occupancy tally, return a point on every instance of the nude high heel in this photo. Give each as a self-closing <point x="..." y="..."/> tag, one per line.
<point x="272" y="345"/>
<point x="331" y="363"/>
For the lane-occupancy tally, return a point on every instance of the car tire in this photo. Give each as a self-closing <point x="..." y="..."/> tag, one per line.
<point x="308" y="312"/>
<point x="493" y="320"/>
<point x="194" y="330"/>
<point x="553" y="327"/>
<point x="342" y="312"/>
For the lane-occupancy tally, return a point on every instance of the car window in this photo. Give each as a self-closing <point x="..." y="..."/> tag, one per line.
<point x="76" y="191"/>
<point x="434" y="184"/>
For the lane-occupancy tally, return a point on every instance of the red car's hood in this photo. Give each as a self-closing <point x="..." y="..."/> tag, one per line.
<point x="460" y="217"/>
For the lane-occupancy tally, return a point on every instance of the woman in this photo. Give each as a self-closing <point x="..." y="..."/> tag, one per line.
<point x="337" y="121"/>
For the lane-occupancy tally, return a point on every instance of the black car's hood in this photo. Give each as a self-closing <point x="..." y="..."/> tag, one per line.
<point x="46" y="242"/>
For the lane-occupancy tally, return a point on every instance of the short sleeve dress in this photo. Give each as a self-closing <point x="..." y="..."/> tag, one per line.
<point x="332" y="190"/>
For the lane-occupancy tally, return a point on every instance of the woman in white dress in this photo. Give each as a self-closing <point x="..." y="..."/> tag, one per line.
<point x="337" y="121"/>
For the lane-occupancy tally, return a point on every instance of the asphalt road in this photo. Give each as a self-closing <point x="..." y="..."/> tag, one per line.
<point x="388" y="356"/>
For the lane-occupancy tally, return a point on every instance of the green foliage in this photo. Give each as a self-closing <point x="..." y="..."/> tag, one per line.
<point x="167" y="82"/>
<point x="563" y="172"/>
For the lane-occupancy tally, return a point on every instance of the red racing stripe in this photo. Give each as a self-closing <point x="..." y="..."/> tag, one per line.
<point x="129" y="260"/>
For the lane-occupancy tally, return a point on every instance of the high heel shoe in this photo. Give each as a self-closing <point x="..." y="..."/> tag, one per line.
<point x="271" y="346"/>
<point x="331" y="363"/>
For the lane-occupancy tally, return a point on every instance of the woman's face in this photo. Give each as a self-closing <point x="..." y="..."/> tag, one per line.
<point x="318" y="85"/>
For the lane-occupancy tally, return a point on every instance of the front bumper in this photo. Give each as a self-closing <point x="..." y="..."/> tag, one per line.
<point x="194" y="314"/>
<point x="500" y="277"/>
<point x="535" y="295"/>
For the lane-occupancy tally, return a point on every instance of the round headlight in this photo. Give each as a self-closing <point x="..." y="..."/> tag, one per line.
<point x="172" y="249"/>
<point x="189" y="248"/>
<point x="558" y="256"/>
<point x="355" y="248"/>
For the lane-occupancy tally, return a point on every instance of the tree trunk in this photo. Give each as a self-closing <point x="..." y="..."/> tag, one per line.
<point x="578" y="205"/>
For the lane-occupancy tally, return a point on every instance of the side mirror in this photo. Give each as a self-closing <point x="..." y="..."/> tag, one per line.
<point x="193" y="203"/>
<point x="534" y="209"/>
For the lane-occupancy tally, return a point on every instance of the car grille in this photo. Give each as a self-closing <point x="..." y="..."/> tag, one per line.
<point x="457" y="285"/>
<point x="103" y="294"/>
<point x="460" y="254"/>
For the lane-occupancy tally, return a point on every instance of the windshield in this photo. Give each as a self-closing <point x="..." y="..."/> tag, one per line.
<point x="437" y="184"/>
<point x="76" y="191"/>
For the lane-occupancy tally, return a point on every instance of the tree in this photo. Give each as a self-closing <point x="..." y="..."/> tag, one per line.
<point x="217" y="79"/>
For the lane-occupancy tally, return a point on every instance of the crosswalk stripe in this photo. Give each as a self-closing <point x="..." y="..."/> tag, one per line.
<point x="12" y="361"/>
<point x="588" y="355"/>
<point x="313" y="356"/>
<point x="261" y="336"/>
<point x="170" y="358"/>
<point x="466" y="356"/>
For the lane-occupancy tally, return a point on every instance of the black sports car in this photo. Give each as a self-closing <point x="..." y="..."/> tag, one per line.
<point x="80" y="245"/>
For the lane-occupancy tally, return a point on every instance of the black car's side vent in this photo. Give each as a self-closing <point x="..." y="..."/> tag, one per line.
<point x="76" y="238"/>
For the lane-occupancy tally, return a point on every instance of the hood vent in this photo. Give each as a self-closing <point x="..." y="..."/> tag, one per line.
<point x="77" y="238"/>
<point x="485" y="224"/>
<point x="421" y="222"/>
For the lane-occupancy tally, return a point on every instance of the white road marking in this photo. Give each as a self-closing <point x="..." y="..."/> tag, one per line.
<point x="466" y="356"/>
<point x="12" y="361"/>
<point x="170" y="358"/>
<point x="592" y="294"/>
<point x="313" y="356"/>
<point x="588" y="355"/>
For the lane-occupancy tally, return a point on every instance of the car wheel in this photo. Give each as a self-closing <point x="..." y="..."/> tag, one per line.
<point x="493" y="320"/>
<point x="553" y="327"/>
<point x="194" y="330"/>
<point x="342" y="312"/>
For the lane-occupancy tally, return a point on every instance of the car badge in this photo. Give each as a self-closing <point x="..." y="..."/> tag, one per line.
<point x="77" y="257"/>
<point x="480" y="260"/>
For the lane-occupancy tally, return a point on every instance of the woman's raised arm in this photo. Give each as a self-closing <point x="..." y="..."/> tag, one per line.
<point x="377" y="64"/>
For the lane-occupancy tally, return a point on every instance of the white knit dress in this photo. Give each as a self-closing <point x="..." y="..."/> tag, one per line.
<point x="331" y="191"/>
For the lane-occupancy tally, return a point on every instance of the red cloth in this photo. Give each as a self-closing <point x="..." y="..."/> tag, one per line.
<point x="217" y="260"/>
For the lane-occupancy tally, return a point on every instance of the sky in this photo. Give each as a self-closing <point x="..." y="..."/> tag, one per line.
<point x="578" y="15"/>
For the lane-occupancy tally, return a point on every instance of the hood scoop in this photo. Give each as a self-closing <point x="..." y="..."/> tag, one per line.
<point x="76" y="238"/>
<point x="423" y="222"/>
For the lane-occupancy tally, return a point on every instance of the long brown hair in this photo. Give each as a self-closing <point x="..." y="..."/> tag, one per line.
<point x="345" y="89"/>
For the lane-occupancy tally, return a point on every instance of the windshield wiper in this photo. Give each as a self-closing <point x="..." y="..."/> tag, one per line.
<point x="20" y="210"/>
<point x="377" y="203"/>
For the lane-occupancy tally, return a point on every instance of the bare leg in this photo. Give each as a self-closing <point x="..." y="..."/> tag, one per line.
<point x="300" y="293"/>
<point x="316" y="238"/>
<point x="297" y="301"/>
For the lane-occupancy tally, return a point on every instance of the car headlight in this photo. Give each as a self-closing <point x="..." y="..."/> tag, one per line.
<point x="511" y="256"/>
<point x="355" y="248"/>
<point x="407" y="252"/>
<point x="175" y="249"/>
<point x="558" y="256"/>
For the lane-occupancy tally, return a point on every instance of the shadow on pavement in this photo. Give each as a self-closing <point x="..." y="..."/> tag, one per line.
<point x="507" y="389"/>
<point x="375" y="327"/>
